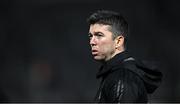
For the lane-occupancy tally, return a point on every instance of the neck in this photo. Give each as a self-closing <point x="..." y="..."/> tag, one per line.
<point x="117" y="51"/>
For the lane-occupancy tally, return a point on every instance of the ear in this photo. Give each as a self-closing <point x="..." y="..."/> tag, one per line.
<point x="119" y="41"/>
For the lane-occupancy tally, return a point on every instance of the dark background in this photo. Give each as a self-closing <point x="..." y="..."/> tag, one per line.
<point x="45" y="54"/>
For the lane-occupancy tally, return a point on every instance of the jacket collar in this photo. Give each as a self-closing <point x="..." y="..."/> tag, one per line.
<point x="116" y="60"/>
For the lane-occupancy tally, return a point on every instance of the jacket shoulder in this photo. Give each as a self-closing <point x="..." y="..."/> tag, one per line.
<point x="122" y="85"/>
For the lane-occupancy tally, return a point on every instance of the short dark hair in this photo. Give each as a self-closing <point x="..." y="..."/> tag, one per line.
<point x="119" y="25"/>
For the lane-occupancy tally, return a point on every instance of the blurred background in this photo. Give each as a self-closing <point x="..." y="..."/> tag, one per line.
<point x="45" y="54"/>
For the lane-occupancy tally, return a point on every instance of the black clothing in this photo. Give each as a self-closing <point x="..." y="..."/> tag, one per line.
<point x="125" y="79"/>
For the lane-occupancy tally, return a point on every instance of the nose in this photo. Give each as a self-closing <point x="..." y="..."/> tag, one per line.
<point x="93" y="41"/>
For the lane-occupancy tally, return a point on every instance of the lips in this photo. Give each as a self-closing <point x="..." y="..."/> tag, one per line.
<point x="94" y="52"/>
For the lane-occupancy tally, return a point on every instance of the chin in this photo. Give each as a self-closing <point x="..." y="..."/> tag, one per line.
<point x="98" y="58"/>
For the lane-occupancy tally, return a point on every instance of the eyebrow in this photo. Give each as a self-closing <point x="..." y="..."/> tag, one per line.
<point x="95" y="33"/>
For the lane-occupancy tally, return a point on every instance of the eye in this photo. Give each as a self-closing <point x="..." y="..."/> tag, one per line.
<point x="99" y="35"/>
<point x="90" y="35"/>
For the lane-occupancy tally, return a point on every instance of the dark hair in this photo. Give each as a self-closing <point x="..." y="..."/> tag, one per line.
<point x="119" y="25"/>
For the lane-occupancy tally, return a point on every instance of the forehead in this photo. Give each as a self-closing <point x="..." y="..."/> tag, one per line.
<point x="99" y="28"/>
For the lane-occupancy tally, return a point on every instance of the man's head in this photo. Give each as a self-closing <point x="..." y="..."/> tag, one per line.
<point x="108" y="33"/>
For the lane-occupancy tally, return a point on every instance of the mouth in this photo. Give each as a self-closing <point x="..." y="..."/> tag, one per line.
<point x="94" y="52"/>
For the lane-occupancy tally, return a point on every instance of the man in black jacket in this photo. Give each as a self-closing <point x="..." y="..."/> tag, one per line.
<point x="124" y="78"/>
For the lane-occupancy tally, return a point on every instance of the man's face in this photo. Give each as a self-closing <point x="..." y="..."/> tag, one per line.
<point x="101" y="41"/>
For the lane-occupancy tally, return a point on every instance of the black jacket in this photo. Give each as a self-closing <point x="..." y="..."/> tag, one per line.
<point x="125" y="79"/>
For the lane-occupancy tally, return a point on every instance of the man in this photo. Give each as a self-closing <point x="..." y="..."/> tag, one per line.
<point x="124" y="78"/>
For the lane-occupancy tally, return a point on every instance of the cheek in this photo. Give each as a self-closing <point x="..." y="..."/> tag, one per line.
<point x="106" y="47"/>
